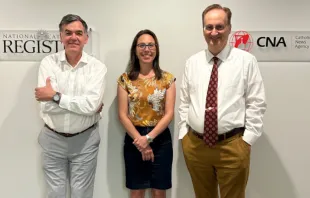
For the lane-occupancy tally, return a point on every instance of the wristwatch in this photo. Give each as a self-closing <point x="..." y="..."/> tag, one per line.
<point x="56" y="97"/>
<point x="149" y="138"/>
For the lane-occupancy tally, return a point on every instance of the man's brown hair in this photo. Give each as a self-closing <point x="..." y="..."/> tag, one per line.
<point x="217" y="6"/>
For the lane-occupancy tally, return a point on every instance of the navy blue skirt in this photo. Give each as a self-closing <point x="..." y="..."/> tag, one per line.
<point x="147" y="174"/>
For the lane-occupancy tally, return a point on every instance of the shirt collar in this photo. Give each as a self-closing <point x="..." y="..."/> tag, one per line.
<point x="62" y="57"/>
<point x="223" y="55"/>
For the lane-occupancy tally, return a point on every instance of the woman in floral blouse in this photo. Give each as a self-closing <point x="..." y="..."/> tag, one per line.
<point x="146" y="97"/>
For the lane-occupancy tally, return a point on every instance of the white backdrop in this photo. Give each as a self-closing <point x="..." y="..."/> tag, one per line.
<point x="280" y="161"/>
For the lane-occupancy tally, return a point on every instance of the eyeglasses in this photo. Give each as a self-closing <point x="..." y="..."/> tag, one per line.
<point x="151" y="46"/>
<point x="218" y="27"/>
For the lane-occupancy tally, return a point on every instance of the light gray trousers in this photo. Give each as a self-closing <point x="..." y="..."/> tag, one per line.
<point x="70" y="158"/>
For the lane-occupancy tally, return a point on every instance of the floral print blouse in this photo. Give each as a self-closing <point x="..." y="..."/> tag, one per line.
<point x="146" y="98"/>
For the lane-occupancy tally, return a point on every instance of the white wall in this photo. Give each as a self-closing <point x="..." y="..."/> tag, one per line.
<point x="280" y="161"/>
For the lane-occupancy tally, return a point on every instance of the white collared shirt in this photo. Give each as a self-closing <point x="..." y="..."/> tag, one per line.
<point x="241" y="94"/>
<point x="81" y="89"/>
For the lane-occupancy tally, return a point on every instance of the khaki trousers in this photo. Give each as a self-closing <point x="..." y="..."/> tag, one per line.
<point x="225" y="165"/>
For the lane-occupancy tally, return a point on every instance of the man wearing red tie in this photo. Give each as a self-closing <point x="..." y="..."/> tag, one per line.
<point x="221" y="110"/>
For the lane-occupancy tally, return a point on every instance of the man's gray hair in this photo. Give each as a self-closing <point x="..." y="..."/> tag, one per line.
<point x="69" y="18"/>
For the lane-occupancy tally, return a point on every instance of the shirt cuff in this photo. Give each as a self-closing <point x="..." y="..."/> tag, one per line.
<point x="183" y="131"/>
<point x="250" y="137"/>
<point x="64" y="101"/>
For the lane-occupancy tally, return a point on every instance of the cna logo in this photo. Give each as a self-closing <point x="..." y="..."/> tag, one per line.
<point x="242" y="40"/>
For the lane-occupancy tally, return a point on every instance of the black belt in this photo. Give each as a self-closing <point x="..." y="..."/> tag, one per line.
<point x="223" y="136"/>
<point x="68" y="134"/>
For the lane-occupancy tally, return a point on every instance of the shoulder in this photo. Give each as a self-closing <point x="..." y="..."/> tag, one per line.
<point x="242" y="59"/>
<point x="167" y="75"/>
<point x="196" y="60"/>
<point x="123" y="77"/>
<point x="52" y="59"/>
<point x="242" y="54"/>
<point x="168" y="78"/>
<point x="123" y="81"/>
<point x="94" y="61"/>
<point x="197" y="56"/>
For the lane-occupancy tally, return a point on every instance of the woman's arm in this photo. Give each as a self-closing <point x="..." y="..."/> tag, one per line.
<point x="122" y="97"/>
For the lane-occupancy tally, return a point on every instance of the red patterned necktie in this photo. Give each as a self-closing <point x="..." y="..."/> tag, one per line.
<point x="210" y="134"/>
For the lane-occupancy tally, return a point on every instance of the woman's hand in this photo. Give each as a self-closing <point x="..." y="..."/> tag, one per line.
<point x="147" y="154"/>
<point x="141" y="143"/>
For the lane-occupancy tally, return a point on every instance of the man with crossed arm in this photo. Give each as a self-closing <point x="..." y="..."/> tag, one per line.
<point x="70" y="90"/>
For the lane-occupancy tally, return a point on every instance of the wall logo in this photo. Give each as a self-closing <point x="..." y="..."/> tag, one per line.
<point x="29" y="45"/>
<point x="32" y="45"/>
<point x="43" y="35"/>
<point x="273" y="45"/>
<point x="242" y="40"/>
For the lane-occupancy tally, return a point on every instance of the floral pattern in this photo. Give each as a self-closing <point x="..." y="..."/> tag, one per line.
<point x="147" y="98"/>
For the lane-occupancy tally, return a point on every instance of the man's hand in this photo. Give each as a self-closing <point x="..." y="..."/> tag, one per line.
<point x="45" y="93"/>
<point x="141" y="143"/>
<point x="147" y="154"/>
<point x="100" y="108"/>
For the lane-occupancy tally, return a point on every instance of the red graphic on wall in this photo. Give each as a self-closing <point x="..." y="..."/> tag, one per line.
<point x="242" y="40"/>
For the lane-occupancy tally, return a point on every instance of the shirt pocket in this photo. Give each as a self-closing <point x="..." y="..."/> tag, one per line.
<point x="232" y="90"/>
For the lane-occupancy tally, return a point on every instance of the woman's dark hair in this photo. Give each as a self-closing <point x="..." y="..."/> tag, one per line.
<point x="134" y="65"/>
